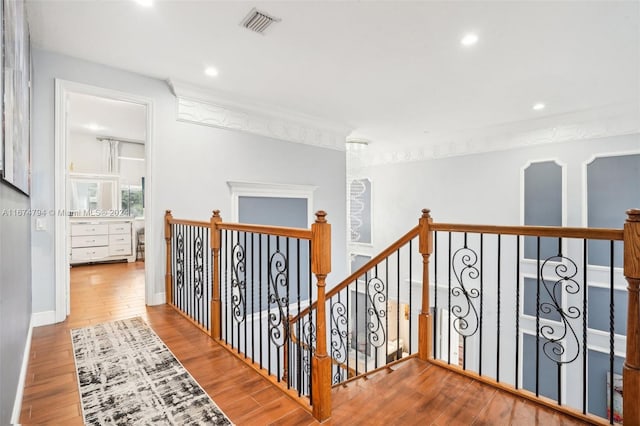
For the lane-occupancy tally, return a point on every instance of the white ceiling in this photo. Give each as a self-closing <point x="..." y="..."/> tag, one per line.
<point x="106" y="117"/>
<point x="393" y="71"/>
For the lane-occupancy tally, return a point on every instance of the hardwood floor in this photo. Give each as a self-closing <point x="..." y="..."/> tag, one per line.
<point x="102" y="293"/>
<point x="411" y="392"/>
<point x="415" y="392"/>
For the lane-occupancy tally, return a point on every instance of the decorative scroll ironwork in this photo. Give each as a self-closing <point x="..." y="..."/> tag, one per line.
<point x="466" y="320"/>
<point x="308" y="338"/>
<point x="180" y="261"/>
<point x="339" y="333"/>
<point x="557" y="276"/>
<point x="376" y="312"/>
<point x="198" y="267"/>
<point x="238" y="283"/>
<point x="278" y="279"/>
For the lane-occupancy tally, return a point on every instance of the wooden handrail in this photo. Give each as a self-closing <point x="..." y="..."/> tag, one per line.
<point x="188" y="222"/>
<point x="534" y="231"/>
<point x="282" y="231"/>
<point x="360" y="271"/>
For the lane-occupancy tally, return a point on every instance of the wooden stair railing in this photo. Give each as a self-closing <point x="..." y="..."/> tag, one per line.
<point x="320" y="237"/>
<point x="379" y="282"/>
<point x="186" y="266"/>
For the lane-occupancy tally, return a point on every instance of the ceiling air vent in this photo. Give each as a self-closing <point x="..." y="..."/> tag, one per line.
<point x="258" y="21"/>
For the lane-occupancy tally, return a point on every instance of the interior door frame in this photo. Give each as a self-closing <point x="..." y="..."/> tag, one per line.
<point x="61" y="251"/>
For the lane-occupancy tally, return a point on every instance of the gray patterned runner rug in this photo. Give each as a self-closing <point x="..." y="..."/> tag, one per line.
<point x="127" y="376"/>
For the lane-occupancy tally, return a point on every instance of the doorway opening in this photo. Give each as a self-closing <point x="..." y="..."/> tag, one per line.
<point x="103" y="177"/>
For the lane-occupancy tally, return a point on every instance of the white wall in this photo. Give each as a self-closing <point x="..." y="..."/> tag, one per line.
<point x="191" y="165"/>
<point x="479" y="188"/>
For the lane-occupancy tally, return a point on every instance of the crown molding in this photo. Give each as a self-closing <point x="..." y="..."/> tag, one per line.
<point x="612" y="120"/>
<point x="206" y="107"/>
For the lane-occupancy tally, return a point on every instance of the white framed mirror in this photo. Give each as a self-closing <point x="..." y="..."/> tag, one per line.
<point x="93" y="195"/>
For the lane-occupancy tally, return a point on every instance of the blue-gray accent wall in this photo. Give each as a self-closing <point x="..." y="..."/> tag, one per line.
<point x="15" y="292"/>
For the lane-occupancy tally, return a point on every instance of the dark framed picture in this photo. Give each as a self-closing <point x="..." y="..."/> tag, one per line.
<point x="16" y="96"/>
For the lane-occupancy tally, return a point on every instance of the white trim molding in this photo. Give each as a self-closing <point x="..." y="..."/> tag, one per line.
<point x="611" y="120"/>
<point x="204" y="106"/>
<point x="277" y="190"/>
<point x="17" y="403"/>
<point x="43" y="318"/>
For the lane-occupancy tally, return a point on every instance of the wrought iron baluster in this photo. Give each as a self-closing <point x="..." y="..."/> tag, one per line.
<point x="269" y="296"/>
<point x="244" y="303"/>
<point x="238" y="285"/>
<point x="309" y="352"/>
<point x="449" y="306"/>
<point x="278" y="280"/>
<point x="410" y="294"/>
<point x="538" y="318"/>
<point x="611" y="331"/>
<point x="286" y="318"/>
<point x="188" y="267"/>
<point x="198" y="263"/>
<point x="298" y="286"/>
<point x="260" y="236"/>
<point x="375" y="312"/>
<point x="498" y="310"/>
<point x="584" y="325"/>
<point x="517" y="372"/>
<point x="253" y="297"/>
<point x="209" y="281"/>
<point x="386" y="318"/>
<point x="339" y="349"/>
<point x="466" y="318"/>
<point x="435" y="293"/>
<point x="179" y="265"/>
<point x="481" y="303"/>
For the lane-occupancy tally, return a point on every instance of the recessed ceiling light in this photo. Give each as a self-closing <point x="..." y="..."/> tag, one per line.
<point x="469" y="39"/>
<point x="145" y="3"/>
<point x="211" y="71"/>
<point x="539" y="106"/>
<point x="93" y="127"/>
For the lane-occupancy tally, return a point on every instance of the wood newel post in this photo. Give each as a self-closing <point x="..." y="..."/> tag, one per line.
<point x="216" y="329"/>
<point x="321" y="363"/>
<point x="425" y="321"/>
<point x="168" y="277"/>
<point x="631" y="369"/>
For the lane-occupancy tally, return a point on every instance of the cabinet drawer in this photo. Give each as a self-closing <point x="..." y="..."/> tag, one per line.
<point x="119" y="239"/>
<point x="89" y="253"/>
<point x="120" y="250"/>
<point x="89" y="229"/>
<point x="89" y="241"/>
<point x="120" y="228"/>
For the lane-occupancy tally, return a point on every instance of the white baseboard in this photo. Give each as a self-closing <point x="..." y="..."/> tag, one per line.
<point x="17" y="404"/>
<point x="158" y="299"/>
<point x="43" y="318"/>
